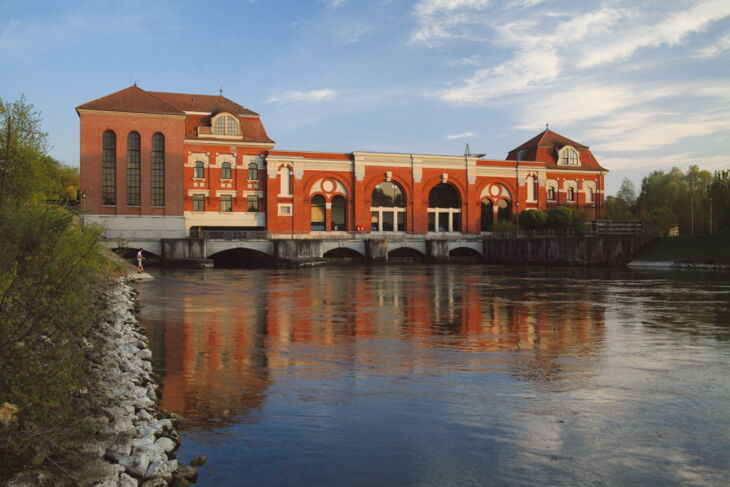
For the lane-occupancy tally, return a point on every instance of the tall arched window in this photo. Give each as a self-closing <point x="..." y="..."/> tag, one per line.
<point x="339" y="213"/>
<point x="589" y="195"/>
<point x="487" y="215"/>
<point x="551" y="193"/>
<point x="199" y="170"/>
<point x="109" y="168"/>
<point x="571" y="194"/>
<point x="318" y="213"/>
<point x="226" y="170"/>
<point x="444" y="209"/>
<point x="285" y="181"/>
<point x="157" y="184"/>
<point x="388" y="208"/>
<point x="531" y="188"/>
<point x="253" y="172"/>
<point x="133" y="163"/>
<point x="504" y="210"/>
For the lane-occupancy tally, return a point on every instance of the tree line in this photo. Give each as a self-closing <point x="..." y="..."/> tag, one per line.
<point x="695" y="202"/>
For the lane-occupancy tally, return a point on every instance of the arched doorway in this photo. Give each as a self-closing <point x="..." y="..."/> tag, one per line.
<point x="444" y="209"/>
<point x="317" y="213"/>
<point x="487" y="215"/>
<point x="388" y="208"/>
<point x="339" y="214"/>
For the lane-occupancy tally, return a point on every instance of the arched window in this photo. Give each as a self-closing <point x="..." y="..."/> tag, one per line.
<point x="226" y="170"/>
<point x="551" y="193"/>
<point x="444" y="209"/>
<point x="589" y="195"/>
<point x="487" y="215"/>
<point x="504" y="210"/>
<point x="318" y="213"/>
<point x="253" y="172"/>
<point x="157" y="182"/>
<point x="571" y="194"/>
<point x="199" y="170"/>
<point x="569" y="156"/>
<point x="109" y="168"/>
<point x="225" y="125"/>
<point x="285" y="181"/>
<point x="339" y="213"/>
<point x="388" y="208"/>
<point x="531" y="188"/>
<point x="133" y="163"/>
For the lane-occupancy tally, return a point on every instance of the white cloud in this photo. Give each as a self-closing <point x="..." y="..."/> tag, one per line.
<point x="527" y="70"/>
<point x="334" y="3"/>
<point x="436" y="18"/>
<point x="463" y="135"/>
<point x="297" y="96"/>
<point x="670" y="31"/>
<point x="720" y="47"/>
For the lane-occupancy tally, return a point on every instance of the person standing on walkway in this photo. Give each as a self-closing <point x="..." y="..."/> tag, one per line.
<point x="140" y="258"/>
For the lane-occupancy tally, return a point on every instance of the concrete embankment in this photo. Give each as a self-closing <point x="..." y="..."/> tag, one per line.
<point x="590" y="250"/>
<point x="134" y="440"/>
<point x="645" y="264"/>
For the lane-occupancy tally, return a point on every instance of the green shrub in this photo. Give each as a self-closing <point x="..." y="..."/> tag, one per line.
<point x="505" y="227"/>
<point x="533" y="219"/>
<point x="50" y="270"/>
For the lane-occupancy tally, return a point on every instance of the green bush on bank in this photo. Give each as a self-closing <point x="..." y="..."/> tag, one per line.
<point x="51" y="272"/>
<point x="50" y="275"/>
<point x="560" y="217"/>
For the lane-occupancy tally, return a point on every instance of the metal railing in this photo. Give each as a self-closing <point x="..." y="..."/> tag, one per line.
<point x="615" y="227"/>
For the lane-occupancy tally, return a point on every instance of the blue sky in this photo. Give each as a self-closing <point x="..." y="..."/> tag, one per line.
<point x="645" y="84"/>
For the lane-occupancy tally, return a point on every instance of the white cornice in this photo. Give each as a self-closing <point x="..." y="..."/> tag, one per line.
<point x="268" y="145"/>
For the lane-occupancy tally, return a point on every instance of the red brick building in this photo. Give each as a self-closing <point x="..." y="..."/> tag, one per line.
<point x="162" y="165"/>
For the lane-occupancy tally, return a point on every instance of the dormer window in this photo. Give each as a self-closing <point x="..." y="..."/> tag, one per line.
<point x="225" y="124"/>
<point x="568" y="156"/>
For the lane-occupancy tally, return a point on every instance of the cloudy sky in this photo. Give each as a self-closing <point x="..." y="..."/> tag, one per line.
<point x="645" y="84"/>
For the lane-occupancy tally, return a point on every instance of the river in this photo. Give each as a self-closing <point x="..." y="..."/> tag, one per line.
<point x="446" y="375"/>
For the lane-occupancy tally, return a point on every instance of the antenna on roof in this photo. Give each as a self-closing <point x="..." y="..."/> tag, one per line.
<point x="221" y="88"/>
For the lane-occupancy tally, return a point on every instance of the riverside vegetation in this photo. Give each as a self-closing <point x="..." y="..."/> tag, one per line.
<point x="77" y="394"/>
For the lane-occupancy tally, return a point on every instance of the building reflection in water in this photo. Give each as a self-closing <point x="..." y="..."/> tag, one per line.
<point x="223" y="338"/>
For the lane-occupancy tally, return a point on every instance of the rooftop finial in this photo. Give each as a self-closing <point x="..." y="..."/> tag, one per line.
<point x="547" y="126"/>
<point x="221" y="88"/>
<point x="467" y="151"/>
<point x="135" y="79"/>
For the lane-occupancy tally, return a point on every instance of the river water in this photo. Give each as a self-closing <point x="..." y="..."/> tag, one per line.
<point x="451" y="375"/>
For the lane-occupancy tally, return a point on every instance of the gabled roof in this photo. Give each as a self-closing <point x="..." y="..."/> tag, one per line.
<point x="202" y="103"/>
<point x="132" y="99"/>
<point x="548" y="138"/>
<point x="135" y="99"/>
<point x="544" y="147"/>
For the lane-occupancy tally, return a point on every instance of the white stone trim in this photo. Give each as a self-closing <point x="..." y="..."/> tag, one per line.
<point x="205" y="192"/>
<point x="284" y="206"/>
<point x="221" y="192"/>
<point x="194" y="157"/>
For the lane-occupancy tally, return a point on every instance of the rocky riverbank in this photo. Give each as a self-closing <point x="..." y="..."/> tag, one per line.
<point x="134" y="441"/>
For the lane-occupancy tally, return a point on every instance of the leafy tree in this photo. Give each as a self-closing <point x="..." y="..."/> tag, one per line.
<point x="22" y="145"/>
<point x="617" y="209"/>
<point x="627" y="193"/>
<point x="720" y="200"/>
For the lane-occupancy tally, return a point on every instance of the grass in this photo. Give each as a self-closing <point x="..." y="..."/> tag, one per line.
<point x="700" y="249"/>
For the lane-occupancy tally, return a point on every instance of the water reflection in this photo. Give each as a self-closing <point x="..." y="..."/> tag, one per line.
<point x="223" y="336"/>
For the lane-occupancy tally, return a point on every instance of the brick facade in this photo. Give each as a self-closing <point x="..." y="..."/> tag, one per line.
<point x="296" y="192"/>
